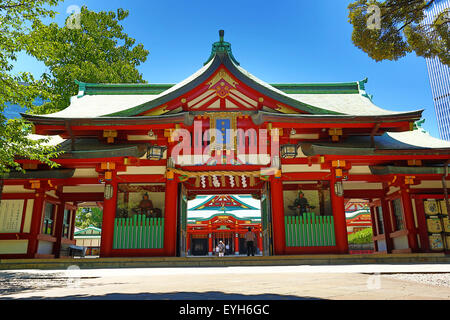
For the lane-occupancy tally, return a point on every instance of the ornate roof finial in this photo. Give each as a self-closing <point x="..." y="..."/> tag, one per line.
<point x="221" y="47"/>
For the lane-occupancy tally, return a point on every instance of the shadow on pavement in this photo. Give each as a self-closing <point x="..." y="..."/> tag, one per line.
<point x="17" y="282"/>
<point x="209" y="295"/>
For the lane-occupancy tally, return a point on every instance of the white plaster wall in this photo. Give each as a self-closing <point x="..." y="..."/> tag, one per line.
<point x="45" y="247"/>
<point x="28" y="216"/>
<point x="302" y="168"/>
<point x="400" y="243"/>
<point x="13" y="246"/>
<point x="381" y="245"/>
<point x="144" y="170"/>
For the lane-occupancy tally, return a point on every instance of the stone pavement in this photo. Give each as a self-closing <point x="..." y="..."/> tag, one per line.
<point x="335" y="282"/>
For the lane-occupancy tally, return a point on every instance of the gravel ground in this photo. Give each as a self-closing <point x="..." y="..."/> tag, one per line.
<point x="435" y="279"/>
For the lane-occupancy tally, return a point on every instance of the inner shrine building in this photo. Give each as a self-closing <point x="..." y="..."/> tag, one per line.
<point x="142" y="151"/>
<point x="225" y="218"/>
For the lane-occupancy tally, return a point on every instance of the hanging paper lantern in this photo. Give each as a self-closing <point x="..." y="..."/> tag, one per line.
<point x="215" y="182"/>
<point x="244" y="182"/>
<point x="203" y="181"/>
<point x="231" y="181"/>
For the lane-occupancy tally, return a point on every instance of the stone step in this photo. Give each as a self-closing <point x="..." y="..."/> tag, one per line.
<point x="162" y="262"/>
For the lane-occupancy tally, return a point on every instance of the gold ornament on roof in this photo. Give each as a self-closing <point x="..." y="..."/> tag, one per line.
<point x="222" y="75"/>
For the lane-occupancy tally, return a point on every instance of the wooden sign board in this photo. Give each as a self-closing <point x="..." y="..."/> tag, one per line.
<point x="11" y="215"/>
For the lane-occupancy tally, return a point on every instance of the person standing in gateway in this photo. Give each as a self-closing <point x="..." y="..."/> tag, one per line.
<point x="221" y="247"/>
<point x="250" y="238"/>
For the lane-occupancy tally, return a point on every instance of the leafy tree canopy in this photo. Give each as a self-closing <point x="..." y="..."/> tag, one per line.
<point x="388" y="30"/>
<point x="15" y="18"/>
<point x="92" y="47"/>
<point x="86" y="217"/>
<point x="361" y="237"/>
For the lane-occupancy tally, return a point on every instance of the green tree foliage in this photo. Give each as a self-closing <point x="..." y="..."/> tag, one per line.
<point x="361" y="237"/>
<point x="15" y="18"/>
<point x="86" y="217"/>
<point x="93" y="49"/>
<point x="400" y="29"/>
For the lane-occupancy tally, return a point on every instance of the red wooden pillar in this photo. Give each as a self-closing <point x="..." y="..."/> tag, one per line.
<point x="409" y="219"/>
<point x="279" y="238"/>
<point x="387" y="222"/>
<point x="260" y="242"/>
<point x="59" y="227"/>
<point x="236" y="242"/>
<point x="422" y="222"/>
<point x="210" y="240"/>
<point x="109" y="215"/>
<point x="375" y="227"/>
<point x="170" y="218"/>
<point x="36" y="221"/>
<point x="188" y="243"/>
<point x="210" y="244"/>
<point x="340" y="223"/>
<point x="72" y="223"/>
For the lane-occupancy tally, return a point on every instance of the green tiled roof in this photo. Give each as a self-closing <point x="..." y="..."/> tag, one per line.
<point x="121" y="88"/>
<point x="155" y="89"/>
<point x="318" y="88"/>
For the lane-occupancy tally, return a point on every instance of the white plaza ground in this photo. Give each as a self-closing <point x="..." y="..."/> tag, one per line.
<point x="334" y="282"/>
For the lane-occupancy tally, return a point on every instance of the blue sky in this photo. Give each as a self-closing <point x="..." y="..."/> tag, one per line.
<point x="283" y="41"/>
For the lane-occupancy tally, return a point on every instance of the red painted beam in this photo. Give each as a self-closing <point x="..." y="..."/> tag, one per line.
<point x="292" y="176"/>
<point x="151" y="178"/>
<point x="83" y="196"/>
<point x="17" y="196"/>
<point x="14" y="236"/>
<point x="363" y="194"/>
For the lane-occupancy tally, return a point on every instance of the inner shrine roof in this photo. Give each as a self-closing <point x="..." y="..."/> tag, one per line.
<point x="251" y="219"/>
<point x="223" y="203"/>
